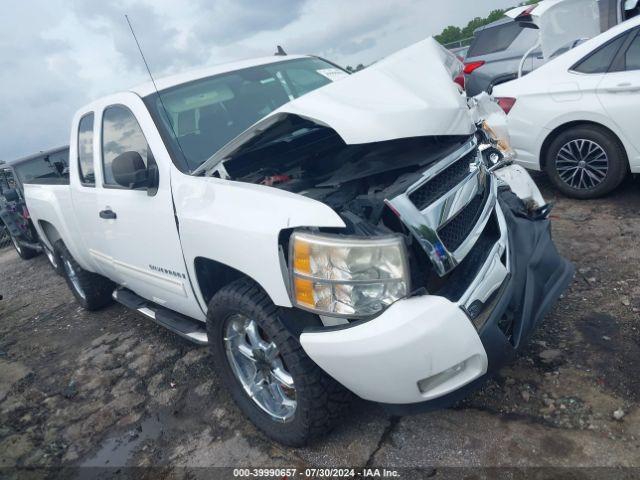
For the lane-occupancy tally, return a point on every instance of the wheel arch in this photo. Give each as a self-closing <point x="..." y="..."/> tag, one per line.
<point x="211" y="276"/>
<point x="51" y="234"/>
<point x="544" y="149"/>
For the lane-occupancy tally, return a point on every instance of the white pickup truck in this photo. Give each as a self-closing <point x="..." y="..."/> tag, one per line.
<point x="326" y="234"/>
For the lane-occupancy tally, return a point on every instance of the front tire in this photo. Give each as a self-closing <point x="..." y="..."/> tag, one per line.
<point x="92" y="291"/>
<point x="586" y="162"/>
<point x="282" y="391"/>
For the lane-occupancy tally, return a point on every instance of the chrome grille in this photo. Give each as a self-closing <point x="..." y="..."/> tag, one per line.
<point x="447" y="209"/>
<point x="458" y="229"/>
<point x="441" y="183"/>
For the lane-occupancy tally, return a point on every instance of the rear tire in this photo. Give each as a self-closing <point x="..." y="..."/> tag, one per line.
<point x="25" y="253"/>
<point x="586" y="162"/>
<point x="92" y="291"/>
<point x="319" y="400"/>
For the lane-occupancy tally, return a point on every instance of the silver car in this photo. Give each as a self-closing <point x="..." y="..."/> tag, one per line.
<point x="495" y="54"/>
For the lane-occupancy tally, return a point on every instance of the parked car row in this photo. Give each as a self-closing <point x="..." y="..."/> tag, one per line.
<point x="571" y="93"/>
<point x="576" y="117"/>
<point x="529" y="36"/>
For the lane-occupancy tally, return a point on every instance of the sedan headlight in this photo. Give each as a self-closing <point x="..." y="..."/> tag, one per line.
<point x="341" y="276"/>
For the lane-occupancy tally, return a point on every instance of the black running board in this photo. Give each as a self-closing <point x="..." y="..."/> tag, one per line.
<point x="186" y="327"/>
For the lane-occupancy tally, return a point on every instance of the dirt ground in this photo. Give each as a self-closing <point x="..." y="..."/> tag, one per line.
<point x="111" y="388"/>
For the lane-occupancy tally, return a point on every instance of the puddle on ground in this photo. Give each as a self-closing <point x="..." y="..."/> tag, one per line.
<point x="116" y="451"/>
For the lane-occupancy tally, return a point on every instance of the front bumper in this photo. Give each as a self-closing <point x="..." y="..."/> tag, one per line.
<point x="425" y="352"/>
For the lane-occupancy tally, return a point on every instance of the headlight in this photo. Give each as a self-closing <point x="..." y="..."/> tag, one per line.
<point x="501" y="139"/>
<point x="346" y="277"/>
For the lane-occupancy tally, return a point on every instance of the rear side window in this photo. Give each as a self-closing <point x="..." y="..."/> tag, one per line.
<point x="120" y="133"/>
<point x="632" y="56"/>
<point x="600" y="60"/>
<point x="40" y="168"/>
<point x="494" y="39"/>
<point x="85" y="151"/>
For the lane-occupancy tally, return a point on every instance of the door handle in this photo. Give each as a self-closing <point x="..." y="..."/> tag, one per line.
<point x="108" y="214"/>
<point x="624" y="87"/>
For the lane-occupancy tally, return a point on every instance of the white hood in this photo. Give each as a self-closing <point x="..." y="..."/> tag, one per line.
<point x="410" y="93"/>
<point x="561" y="21"/>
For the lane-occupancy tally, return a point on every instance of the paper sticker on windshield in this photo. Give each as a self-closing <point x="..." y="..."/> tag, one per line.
<point x="332" y="74"/>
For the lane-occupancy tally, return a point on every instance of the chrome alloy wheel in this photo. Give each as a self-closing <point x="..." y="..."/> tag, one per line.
<point x="258" y="365"/>
<point x="51" y="257"/>
<point x="73" y="277"/>
<point x="16" y="244"/>
<point x="582" y="164"/>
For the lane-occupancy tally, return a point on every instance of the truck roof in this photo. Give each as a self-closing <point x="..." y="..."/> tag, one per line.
<point x="21" y="160"/>
<point x="163" y="83"/>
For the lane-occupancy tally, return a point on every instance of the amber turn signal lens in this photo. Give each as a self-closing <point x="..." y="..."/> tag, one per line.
<point x="302" y="256"/>
<point x="304" y="291"/>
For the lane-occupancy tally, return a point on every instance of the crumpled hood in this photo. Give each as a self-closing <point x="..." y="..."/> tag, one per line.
<point x="407" y="94"/>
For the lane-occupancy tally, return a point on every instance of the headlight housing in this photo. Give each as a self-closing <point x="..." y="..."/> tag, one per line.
<point x="347" y="277"/>
<point x="500" y="138"/>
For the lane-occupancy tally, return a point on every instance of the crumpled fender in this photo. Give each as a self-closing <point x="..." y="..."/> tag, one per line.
<point x="521" y="183"/>
<point x="238" y="224"/>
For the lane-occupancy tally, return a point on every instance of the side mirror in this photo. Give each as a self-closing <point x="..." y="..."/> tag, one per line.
<point x="11" y="195"/>
<point x="129" y="170"/>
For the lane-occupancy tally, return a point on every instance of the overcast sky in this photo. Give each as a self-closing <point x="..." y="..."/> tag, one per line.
<point x="56" y="55"/>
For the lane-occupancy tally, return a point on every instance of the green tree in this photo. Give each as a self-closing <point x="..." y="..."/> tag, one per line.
<point x="454" y="34"/>
<point x="472" y="25"/>
<point x="449" y="35"/>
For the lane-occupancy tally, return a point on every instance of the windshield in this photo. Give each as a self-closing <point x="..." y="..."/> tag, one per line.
<point x="51" y="166"/>
<point x="206" y="114"/>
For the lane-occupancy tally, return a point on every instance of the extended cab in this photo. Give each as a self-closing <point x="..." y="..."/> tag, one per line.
<point x="326" y="234"/>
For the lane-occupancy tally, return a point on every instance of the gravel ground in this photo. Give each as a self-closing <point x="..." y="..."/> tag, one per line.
<point x="110" y="388"/>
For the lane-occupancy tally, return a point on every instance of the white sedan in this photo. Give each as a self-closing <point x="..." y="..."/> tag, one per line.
<point x="578" y="116"/>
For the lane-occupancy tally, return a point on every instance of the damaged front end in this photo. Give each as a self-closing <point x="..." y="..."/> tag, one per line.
<point x="454" y="221"/>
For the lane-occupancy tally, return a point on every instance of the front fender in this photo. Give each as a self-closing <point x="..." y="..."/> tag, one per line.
<point x="238" y="224"/>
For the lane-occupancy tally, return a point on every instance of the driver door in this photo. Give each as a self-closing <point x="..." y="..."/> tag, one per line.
<point x="138" y="223"/>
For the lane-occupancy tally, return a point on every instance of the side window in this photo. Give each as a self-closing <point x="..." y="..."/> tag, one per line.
<point x="632" y="56"/>
<point x="85" y="151"/>
<point x="120" y="133"/>
<point x="600" y="60"/>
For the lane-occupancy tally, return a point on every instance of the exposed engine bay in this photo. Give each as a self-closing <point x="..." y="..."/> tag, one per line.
<point x="300" y="156"/>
